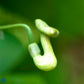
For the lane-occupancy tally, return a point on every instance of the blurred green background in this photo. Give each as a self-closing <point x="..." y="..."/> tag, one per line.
<point x="16" y="65"/>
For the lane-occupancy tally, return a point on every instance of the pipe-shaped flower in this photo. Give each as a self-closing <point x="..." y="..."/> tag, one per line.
<point x="46" y="62"/>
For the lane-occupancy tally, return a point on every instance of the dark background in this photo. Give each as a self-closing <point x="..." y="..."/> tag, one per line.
<point x="67" y="16"/>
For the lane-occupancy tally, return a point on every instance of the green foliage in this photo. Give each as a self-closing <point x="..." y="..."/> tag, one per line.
<point x="11" y="52"/>
<point x="23" y="79"/>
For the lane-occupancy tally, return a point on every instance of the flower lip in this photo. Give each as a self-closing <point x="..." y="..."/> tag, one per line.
<point x="46" y="29"/>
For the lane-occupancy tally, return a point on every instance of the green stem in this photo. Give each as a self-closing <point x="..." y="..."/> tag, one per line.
<point x="30" y="35"/>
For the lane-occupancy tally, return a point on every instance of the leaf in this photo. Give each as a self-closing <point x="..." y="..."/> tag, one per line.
<point x="11" y="50"/>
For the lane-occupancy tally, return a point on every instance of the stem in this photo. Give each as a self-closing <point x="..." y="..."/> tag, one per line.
<point x="30" y="35"/>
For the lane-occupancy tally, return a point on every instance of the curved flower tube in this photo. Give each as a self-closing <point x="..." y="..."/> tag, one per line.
<point x="48" y="61"/>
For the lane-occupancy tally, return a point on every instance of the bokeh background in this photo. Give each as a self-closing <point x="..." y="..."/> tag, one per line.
<point x="16" y="65"/>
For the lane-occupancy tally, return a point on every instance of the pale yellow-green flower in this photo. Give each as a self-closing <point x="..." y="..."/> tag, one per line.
<point x="48" y="61"/>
